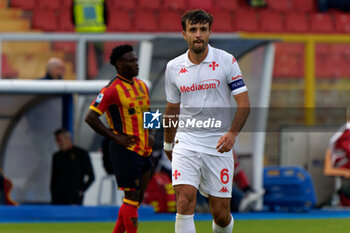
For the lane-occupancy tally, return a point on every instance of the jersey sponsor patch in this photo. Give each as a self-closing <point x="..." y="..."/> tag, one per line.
<point x="202" y="85"/>
<point x="238" y="83"/>
<point x="99" y="98"/>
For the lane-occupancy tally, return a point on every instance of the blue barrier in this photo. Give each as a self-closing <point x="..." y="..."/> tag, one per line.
<point x="288" y="188"/>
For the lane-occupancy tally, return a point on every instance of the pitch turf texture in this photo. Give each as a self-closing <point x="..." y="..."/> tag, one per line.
<point x="241" y="226"/>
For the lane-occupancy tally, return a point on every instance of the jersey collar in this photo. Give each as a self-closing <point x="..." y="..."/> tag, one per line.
<point x="208" y="58"/>
<point x="125" y="79"/>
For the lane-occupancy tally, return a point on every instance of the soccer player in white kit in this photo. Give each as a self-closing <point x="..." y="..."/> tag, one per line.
<point x="196" y="82"/>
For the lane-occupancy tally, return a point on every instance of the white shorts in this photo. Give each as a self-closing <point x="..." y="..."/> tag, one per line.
<point x="210" y="174"/>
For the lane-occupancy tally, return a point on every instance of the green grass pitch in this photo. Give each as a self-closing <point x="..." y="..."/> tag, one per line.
<point x="241" y="226"/>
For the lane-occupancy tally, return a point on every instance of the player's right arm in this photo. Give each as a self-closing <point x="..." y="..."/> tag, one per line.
<point x="171" y="114"/>
<point x="106" y="97"/>
<point x="172" y="110"/>
<point x="93" y="120"/>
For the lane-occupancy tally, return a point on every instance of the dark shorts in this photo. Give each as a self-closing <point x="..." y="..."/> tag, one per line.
<point x="128" y="167"/>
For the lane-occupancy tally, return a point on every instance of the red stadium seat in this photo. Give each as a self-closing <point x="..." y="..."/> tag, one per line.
<point x="293" y="48"/>
<point x="342" y="22"/>
<point x="7" y="70"/>
<point x="149" y="4"/>
<point x="66" y="3"/>
<point x="45" y="19"/>
<point x="92" y="69"/>
<point x="289" y="60"/>
<point x="121" y="4"/>
<point x="339" y="57"/>
<point x="271" y="21"/>
<point x="304" y="5"/>
<point x="65" y="46"/>
<point x="119" y="21"/>
<point x="322" y="67"/>
<point x="322" y="23"/>
<point x="52" y="4"/>
<point x="297" y="22"/>
<point x="65" y="21"/>
<point x="338" y="65"/>
<point x="279" y="5"/>
<point x="226" y="4"/>
<point x="169" y="21"/>
<point x="175" y="4"/>
<point x="203" y="4"/>
<point x="341" y="48"/>
<point x="222" y="21"/>
<point x="145" y="21"/>
<point x="24" y="4"/>
<point x="243" y="3"/>
<point x="246" y="20"/>
<point x="287" y="66"/>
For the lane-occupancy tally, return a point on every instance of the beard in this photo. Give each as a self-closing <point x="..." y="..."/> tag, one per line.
<point x="199" y="49"/>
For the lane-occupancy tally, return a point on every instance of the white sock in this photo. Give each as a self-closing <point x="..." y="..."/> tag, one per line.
<point x="184" y="224"/>
<point x="227" y="229"/>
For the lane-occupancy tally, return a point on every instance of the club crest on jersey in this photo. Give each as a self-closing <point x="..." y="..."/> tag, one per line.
<point x="213" y="65"/>
<point x="99" y="98"/>
<point x="183" y="70"/>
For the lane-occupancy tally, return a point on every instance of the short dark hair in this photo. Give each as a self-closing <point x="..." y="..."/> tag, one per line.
<point x="62" y="131"/>
<point x="196" y="16"/>
<point x="119" y="51"/>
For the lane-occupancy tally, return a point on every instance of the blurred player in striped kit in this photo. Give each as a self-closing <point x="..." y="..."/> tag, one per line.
<point x="124" y="100"/>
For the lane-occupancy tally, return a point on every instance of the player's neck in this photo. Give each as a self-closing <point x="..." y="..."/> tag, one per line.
<point x="125" y="77"/>
<point x="197" y="58"/>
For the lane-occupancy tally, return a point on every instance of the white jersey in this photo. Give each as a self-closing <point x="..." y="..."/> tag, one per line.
<point x="203" y="89"/>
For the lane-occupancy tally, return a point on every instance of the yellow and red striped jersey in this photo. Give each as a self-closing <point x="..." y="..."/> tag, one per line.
<point x="124" y="102"/>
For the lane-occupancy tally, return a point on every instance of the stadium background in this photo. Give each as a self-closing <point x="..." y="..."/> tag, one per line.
<point x="312" y="54"/>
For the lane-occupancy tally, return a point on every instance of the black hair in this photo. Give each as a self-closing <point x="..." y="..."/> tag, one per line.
<point x="119" y="51"/>
<point x="61" y="131"/>
<point x="196" y="16"/>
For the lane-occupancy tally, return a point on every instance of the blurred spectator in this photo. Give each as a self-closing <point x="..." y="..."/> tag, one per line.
<point x="324" y="5"/>
<point x="72" y="172"/>
<point x="160" y="193"/>
<point x="340" y="147"/>
<point x="54" y="69"/>
<point x="5" y="189"/>
<point x="337" y="161"/>
<point x="89" y="16"/>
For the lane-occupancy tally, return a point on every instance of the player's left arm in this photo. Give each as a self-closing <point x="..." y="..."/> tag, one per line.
<point x="227" y="141"/>
<point x="240" y="94"/>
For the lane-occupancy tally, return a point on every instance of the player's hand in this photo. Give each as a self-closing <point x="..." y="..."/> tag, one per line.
<point x="125" y="140"/>
<point x="169" y="154"/>
<point x="226" y="142"/>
